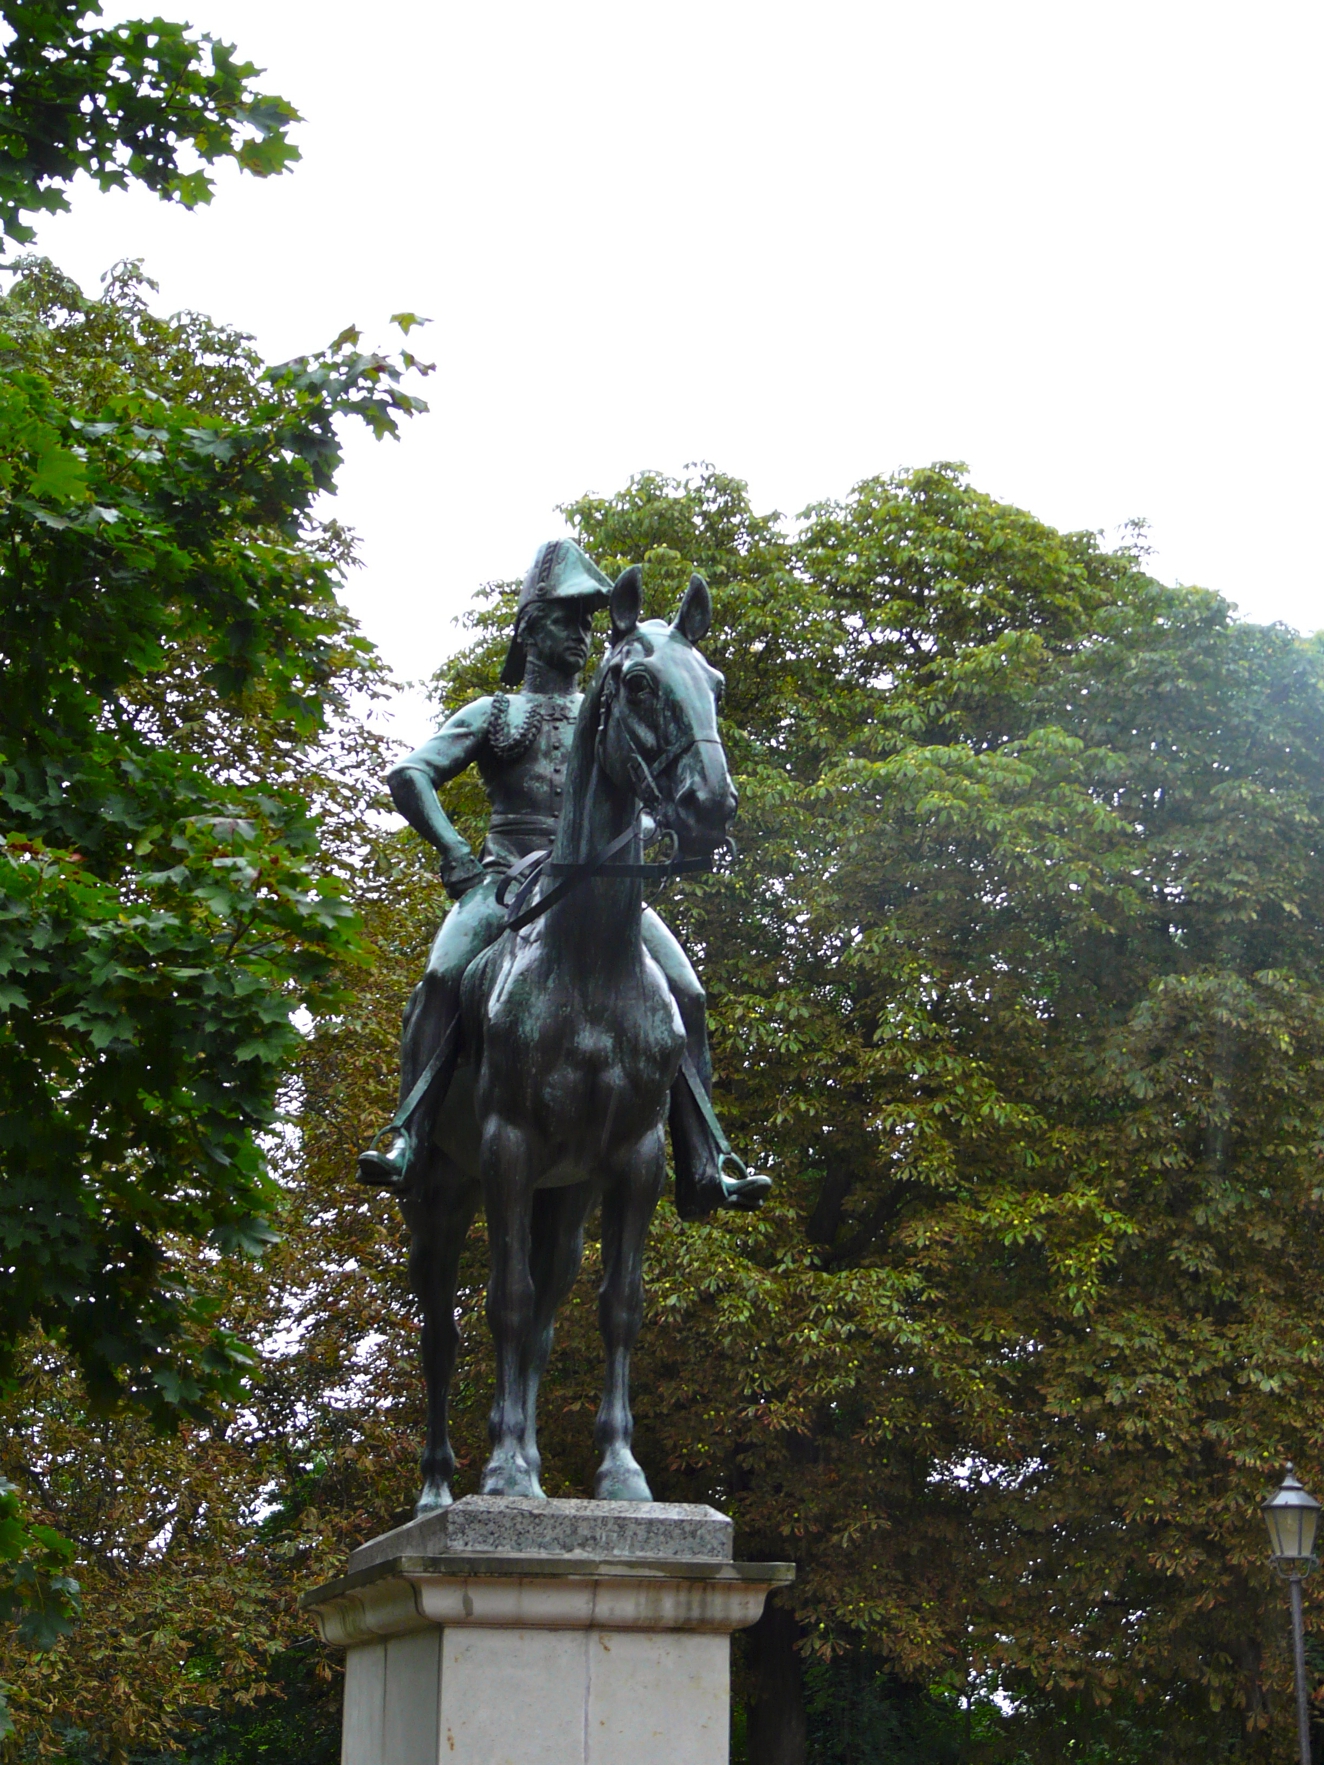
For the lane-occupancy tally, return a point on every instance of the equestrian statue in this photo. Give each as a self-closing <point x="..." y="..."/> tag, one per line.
<point x="559" y="1023"/>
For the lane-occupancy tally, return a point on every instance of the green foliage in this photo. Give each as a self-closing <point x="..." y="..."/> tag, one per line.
<point x="172" y="641"/>
<point x="858" y="1713"/>
<point x="120" y="102"/>
<point x="193" y="1548"/>
<point x="298" y="1725"/>
<point x="37" y="1597"/>
<point x="1017" y="991"/>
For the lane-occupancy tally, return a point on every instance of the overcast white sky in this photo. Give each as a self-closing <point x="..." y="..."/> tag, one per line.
<point x="1074" y="244"/>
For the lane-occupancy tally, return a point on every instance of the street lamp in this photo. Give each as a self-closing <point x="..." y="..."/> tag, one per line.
<point x="1292" y="1516"/>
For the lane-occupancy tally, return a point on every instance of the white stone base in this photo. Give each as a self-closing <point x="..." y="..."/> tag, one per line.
<point x="481" y="1656"/>
<point x="538" y="1697"/>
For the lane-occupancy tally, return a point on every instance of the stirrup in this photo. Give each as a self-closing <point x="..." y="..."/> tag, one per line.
<point x="378" y="1171"/>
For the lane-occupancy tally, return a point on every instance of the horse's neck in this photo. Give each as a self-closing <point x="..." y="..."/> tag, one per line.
<point x="597" y="929"/>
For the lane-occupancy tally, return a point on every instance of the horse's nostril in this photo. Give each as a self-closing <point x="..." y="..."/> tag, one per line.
<point x="714" y="809"/>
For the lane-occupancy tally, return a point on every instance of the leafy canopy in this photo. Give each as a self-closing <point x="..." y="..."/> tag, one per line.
<point x="1020" y="992"/>
<point x="1017" y="991"/>
<point x="166" y="592"/>
<point x="137" y="102"/>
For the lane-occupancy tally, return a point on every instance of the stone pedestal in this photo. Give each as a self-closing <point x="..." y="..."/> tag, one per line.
<point x="503" y="1631"/>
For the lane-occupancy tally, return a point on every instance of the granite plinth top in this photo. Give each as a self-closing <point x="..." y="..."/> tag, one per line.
<point x="495" y="1525"/>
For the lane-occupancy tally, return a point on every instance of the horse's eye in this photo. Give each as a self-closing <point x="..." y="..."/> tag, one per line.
<point x="639" y="684"/>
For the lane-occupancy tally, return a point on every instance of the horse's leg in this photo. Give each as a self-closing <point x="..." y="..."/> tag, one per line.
<point x="508" y="1190"/>
<point x="558" y="1250"/>
<point x="439" y="1209"/>
<point x="627" y="1207"/>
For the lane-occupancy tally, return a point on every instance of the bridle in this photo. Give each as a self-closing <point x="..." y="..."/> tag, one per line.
<point x="643" y="777"/>
<point x="525" y="876"/>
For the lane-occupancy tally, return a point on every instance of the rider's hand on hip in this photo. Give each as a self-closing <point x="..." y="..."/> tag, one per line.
<point x="458" y="878"/>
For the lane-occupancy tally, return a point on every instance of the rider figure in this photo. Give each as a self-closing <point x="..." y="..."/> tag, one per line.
<point x="520" y="745"/>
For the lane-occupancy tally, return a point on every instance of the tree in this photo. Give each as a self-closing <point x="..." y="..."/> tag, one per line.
<point x="175" y="656"/>
<point x="149" y="527"/>
<point x="194" y="1546"/>
<point x="1019" y="985"/>
<point x="1016" y="990"/>
<point x="167" y="617"/>
<point x="119" y="102"/>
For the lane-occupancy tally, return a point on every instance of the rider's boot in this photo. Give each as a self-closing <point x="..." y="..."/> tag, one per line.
<point x="430" y="1023"/>
<point x="387" y="1167"/>
<point x="702" y="1180"/>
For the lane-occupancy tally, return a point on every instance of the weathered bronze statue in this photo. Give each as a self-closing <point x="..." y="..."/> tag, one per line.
<point x="554" y="1005"/>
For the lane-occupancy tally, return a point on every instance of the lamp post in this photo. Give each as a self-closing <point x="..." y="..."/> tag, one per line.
<point x="1292" y="1516"/>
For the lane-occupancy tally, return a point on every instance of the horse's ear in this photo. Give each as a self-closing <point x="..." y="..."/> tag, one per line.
<point x="627" y="600"/>
<point x="696" y="611"/>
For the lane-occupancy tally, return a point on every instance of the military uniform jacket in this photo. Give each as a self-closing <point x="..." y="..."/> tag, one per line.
<point x="520" y="743"/>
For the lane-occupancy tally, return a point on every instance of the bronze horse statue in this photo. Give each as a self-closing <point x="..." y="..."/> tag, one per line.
<point x="572" y="1044"/>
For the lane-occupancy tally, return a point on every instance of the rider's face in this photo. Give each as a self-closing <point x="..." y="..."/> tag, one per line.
<point x="557" y="634"/>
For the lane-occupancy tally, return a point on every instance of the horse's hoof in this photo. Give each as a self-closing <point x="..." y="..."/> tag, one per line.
<point x="621" y="1479"/>
<point x="436" y="1494"/>
<point x="509" y="1475"/>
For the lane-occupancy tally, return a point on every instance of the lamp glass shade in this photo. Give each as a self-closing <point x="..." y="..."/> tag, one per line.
<point x="1292" y="1516"/>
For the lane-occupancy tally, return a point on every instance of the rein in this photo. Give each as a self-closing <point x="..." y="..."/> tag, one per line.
<point x="531" y="870"/>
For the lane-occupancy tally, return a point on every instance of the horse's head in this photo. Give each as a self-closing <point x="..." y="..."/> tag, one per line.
<point x="657" y="732"/>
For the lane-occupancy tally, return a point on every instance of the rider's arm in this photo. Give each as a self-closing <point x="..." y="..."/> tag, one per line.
<point x="414" y="783"/>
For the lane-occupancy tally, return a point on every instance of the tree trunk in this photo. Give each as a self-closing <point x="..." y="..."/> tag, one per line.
<point x="777" y="1704"/>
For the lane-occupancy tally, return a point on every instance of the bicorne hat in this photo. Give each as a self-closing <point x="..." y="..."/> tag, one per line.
<point x="560" y="572"/>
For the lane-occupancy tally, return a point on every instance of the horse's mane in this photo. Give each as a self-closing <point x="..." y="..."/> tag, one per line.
<point x="584" y="742"/>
